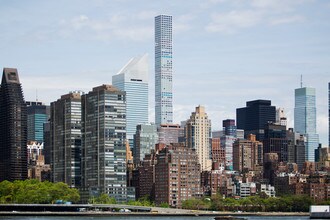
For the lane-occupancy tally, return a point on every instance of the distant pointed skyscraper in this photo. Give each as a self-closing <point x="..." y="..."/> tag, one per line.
<point x="305" y="119"/>
<point x="163" y="70"/>
<point x="13" y="128"/>
<point x="133" y="79"/>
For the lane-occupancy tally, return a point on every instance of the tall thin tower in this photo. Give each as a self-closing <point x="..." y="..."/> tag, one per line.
<point x="163" y="70"/>
<point x="13" y="128"/>
<point x="305" y="119"/>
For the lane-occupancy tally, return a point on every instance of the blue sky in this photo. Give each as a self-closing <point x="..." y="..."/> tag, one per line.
<point x="225" y="52"/>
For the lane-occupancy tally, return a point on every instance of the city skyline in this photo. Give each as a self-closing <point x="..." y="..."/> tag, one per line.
<point x="261" y="46"/>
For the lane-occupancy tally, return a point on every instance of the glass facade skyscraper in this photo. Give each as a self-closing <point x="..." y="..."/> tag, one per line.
<point x="305" y="119"/>
<point x="37" y="115"/>
<point x="103" y="142"/>
<point x="13" y="128"/>
<point x="163" y="70"/>
<point x="133" y="79"/>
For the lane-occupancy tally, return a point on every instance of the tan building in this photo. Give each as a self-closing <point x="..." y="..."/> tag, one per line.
<point x="198" y="134"/>
<point x="247" y="154"/>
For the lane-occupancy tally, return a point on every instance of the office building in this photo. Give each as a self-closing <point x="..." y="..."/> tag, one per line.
<point x="198" y="135"/>
<point x="163" y="70"/>
<point x="276" y="141"/>
<point x="305" y="119"/>
<point x="145" y="139"/>
<point x="177" y="175"/>
<point x="13" y="128"/>
<point x="133" y="79"/>
<point x="37" y="115"/>
<point x="103" y="142"/>
<point x="254" y="117"/>
<point x="229" y="127"/>
<point x="296" y="148"/>
<point x="329" y="112"/>
<point x="65" y="139"/>
<point x="170" y="133"/>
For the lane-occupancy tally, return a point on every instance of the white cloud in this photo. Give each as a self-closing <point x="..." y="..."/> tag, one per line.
<point x="287" y="20"/>
<point x="233" y="20"/>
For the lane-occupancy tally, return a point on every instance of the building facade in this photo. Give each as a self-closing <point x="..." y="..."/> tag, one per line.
<point x="65" y="139"/>
<point x="254" y="117"/>
<point x="103" y="142"/>
<point x="145" y="139"/>
<point x="133" y="79"/>
<point x="305" y="119"/>
<point x="37" y="115"/>
<point x="248" y="154"/>
<point x="163" y="70"/>
<point x="198" y="135"/>
<point x="177" y="175"/>
<point x="13" y="128"/>
<point x="170" y="133"/>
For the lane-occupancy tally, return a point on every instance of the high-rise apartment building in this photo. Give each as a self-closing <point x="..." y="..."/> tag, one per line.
<point x="133" y="79"/>
<point x="103" y="142"/>
<point x="13" y="128"/>
<point x="37" y="115"/>
<point x="305" y="119"/>
<point x="254" y="117"/>
<point x="276" y="141"/>
<point x="198" y="135"/>
<point x="248" y="154"/>
<point x="177" y="175"/>
<point x="227" y="138"/>
<point x="229" y="127"/>
<point x="145" y="139"/>
<point x="65" y="139"/>
<point x="163" y="70"/>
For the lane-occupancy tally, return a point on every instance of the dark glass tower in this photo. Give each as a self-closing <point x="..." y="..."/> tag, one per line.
<point x="255" y="116"/>
<point x="13" y="128"/>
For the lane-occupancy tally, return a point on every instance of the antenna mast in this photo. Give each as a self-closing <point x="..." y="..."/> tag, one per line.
<point x="301" y="81"/>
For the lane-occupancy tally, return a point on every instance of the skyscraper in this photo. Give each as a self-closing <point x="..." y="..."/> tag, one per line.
<point x="163" y="70"/>
<point x="65" y="139"/>
<point x="198" y="135"/>
<point x="37" y="115"/>
<point x="103" y="142"/>
<point x="133" y="79"/>
<point x="329" y="112"/>
<point x="13" y="128"/>
<point x="305" y="119"/>
<point x="254" y="117"/>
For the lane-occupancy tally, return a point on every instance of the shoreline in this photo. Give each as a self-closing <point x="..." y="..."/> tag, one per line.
<point x="99" y="213"/>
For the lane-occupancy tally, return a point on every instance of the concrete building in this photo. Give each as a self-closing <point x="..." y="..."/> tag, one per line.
<point x="305" y="119"/>
<point x="170" y="133"/>
<point x="198" y="134"/>
<point x="281" y="117"/>
<point x="104" y="142"/>
<point x="254" y="117"/>
<point x="276" y="141"/>
<point x="296" y="148"/>
<point x="133" y="79"/>
<point x="65" y="139"/>
<point x="163" y="70"/>
<point x="13" y="128"/>
<point x="37" y="169"/>
<point x="268" y="189"/>
<point x="145" y="139"/>
<point x="177" y="175"/>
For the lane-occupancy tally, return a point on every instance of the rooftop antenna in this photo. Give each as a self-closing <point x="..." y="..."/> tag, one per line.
<point x="36" y="95"/>
<point x="301" y="81"/>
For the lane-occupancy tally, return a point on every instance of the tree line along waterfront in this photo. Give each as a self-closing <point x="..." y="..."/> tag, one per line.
<point x="35" y="192"/>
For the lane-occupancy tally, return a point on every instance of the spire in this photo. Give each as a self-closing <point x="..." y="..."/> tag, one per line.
<point x="301" y="81"/>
